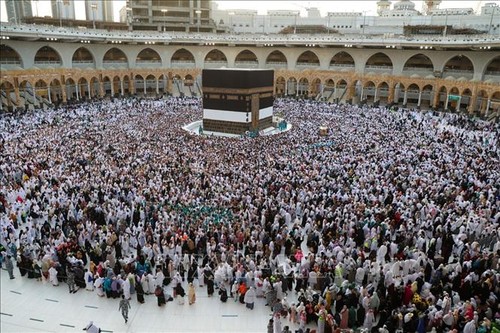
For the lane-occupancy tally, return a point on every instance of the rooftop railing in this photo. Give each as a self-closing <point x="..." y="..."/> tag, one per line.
<point x="51" y="32"/>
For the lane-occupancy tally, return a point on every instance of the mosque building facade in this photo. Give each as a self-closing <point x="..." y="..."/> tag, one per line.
<point x="446" y="61"/>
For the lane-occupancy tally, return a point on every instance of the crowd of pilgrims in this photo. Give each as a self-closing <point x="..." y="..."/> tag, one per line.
<point x="388" y="223"/>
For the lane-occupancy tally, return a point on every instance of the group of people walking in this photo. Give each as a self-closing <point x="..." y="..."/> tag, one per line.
<point x="390" y="222"/>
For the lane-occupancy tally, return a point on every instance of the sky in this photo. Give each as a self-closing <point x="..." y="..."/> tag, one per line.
<point x="262" y="6"/>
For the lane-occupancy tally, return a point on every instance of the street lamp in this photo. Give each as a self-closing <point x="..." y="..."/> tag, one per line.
<point x="94" y="8"/>
<point x="36" y="7"/>
<point x="295" y="25"/>
<point x="198" y="13"/>
<point x="493" y="9"/>
<point x="164" y="11"/>
<point x="230" y="20"/>
<point x="59" y="4"/>
<point x="364" y="23"/>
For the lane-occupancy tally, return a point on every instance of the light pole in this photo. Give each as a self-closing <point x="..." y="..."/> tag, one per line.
<point x="129" y="17"/>
<point x="94" y="8"/>
<point x="230" y="20"/>
<point x="364" y="23"/>
<point x="198" y="13"/>
<point x="59" y="4"/>
<point x="36" y="7"/>
<point x="164" y="11"/>
<point x="493" y="9"/>
<point x="295" y="25"/>
<point x="445" y="31"/>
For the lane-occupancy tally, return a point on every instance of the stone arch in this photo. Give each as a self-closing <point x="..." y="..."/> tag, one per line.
<point x="308" y="59"/>
<point x="148" y="58"/>
<point x="399" y="93"/>
<point x="291" y="85"/>
<point x="418" y="64"/>
<point x="117" y="85"/>
<point x="82" y="58"/>
<point x="83" y="88"/>
<point x="442" y="97"/>
<point x="127" y="88"/>
<point x="55" y="93"/>
<point x="246" y="58"/>
<point x="368" y="92"/>
<point x="115" y="57"/>
<point x="182" y="58"/>
<point x="9" y="57"/>
<point x="150" y="84"/>
<point x="215" y="59"/>
<point x="303" y="87"/>
<point x="458" y="66"/>
<point x="492" y="69"/>
<point x="379" y="63"/>
<point x="453" y="99"/>
<point x="7" y="95"/>
<point x="427" y="96"/>
<point x="162" y="83"/>
<point x="47" y="56"/>
<point x="412" y="94"/>
<point x="494" y="105"/>
<point x="465" y="99"/>
<point x="95" y="87"/>
<point x="315" y="87"/>
<point x="382" y="93"/>
<point x="107" y="86"/>
<point x="26" y="91"/>
<point x="342" y="60"/>
<point x="341" y="90"/>
<point x="280" y="86"/>
<point x="41" y="90"/>
<point x="276" y="59"/>
<point x="139" y="84"/>
<point x="71" y="89"/>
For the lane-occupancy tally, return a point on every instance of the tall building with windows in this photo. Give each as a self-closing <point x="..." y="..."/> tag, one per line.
<point x="171" y="15"/>
<point x="64" y="9"/>
<point x="18" y="9"/>
<point x="99" y="10"/>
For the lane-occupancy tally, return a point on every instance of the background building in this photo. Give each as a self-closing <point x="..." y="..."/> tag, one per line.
<point x="99" y="10"/>
<point x="18" y="9"/>
<point x="64" y="9"/>
<point x="392" y="18"/>
<point x="168" y="15"/>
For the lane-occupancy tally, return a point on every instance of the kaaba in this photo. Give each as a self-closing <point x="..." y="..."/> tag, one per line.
<point x="237" y="101"/>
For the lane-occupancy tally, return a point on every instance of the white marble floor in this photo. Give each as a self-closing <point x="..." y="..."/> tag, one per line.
<point x="28" y="305"/>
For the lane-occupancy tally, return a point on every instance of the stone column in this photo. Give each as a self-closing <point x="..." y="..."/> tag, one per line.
<point x="157" y="88"/>
<point x="435" y="99"/>
<point x="487" y="110"/>
<point x="472" y="103"/>
<point x="405" y="98"/>
<point x="9" y="100"/>
<point x="419" y="98"/>
<point x="101" y="88"/>
<point x="63" y="93"/>
<point x="122" y="89"/>
<point x="375" y="95"/>
<point x="18" y="95"/>
<point x="88" y="87"/>
<point x="390" y="98"/>
<point x="447" y="99"/>
<point x="48" y="95"/>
